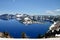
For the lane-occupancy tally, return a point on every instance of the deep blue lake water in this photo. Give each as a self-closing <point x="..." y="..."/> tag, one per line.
<point x="15" y="28"/>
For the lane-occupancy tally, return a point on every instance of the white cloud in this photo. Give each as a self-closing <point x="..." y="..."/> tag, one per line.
<point x="53" y="12"/>
<point x="49" y="12"/>
<point x="57" y="10"/>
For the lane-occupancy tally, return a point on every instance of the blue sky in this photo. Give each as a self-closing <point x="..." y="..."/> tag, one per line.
<point x="37" y="7"/>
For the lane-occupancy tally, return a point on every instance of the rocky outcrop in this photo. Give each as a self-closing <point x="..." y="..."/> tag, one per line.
<point x="23" y="35"/>
<point x="4" y="35"/>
